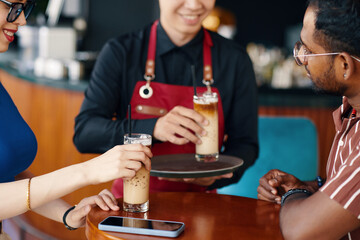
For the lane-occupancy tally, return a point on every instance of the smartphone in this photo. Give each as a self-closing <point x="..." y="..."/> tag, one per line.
<point x="142" y="226"/>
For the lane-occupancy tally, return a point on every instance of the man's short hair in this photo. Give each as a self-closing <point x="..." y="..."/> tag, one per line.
<point x="338" y="25"/>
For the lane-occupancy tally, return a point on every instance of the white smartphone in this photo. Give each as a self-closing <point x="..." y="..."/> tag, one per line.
<point x="142" y="226"/>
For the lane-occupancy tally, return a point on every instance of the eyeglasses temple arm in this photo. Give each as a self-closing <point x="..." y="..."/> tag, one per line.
<point x="357" y="59"/>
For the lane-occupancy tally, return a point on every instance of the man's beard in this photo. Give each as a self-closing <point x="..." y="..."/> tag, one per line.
<point x="327" y="83"/>
<point x="339" y="92"/>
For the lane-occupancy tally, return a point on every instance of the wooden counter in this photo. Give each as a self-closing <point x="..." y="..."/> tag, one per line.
<point x="206" y="216"/>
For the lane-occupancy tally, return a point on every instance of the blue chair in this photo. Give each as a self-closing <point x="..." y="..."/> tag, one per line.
<point x="286" y="143"/>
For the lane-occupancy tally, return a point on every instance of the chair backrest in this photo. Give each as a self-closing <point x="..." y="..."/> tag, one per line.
<point x="286" y="143"/>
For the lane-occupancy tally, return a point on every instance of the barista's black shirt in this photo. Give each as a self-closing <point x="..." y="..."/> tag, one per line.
<point x="121" y="63"/>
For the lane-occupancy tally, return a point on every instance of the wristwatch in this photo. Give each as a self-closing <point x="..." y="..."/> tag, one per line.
<point x="293" y="191"/>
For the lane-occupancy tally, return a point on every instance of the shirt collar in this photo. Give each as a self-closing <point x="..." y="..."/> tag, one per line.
<point x="339" y="114"/>
<point x="167" y="45"/>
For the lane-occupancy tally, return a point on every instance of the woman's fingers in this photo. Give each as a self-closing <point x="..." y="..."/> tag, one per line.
<point x="135" y="148"/>
<point x="132" y="153"/>
<point x="136" y="159"/>
<point x="105" y="200"/>
<point x="134" y="165"/>
<point x="110" y="199"/>
<point x="108" y="202"/>
<point x="128" y="174"/>
<point x="76" y="217"/>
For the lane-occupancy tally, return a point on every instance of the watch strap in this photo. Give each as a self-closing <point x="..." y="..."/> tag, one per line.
<point x="292" y="192"/>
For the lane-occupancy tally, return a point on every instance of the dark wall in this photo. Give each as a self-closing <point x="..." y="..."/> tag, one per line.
<point x="110" y="18"/>
<point x="264" y="21"/>
<point x="259" y="21"/>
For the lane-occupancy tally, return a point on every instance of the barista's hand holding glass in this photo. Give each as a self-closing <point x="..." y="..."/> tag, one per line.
<point x="181" y="125"/>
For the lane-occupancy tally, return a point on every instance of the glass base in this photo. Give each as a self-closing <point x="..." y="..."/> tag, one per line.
<point x="207" y="157"/>
<point x="143" y="207"/>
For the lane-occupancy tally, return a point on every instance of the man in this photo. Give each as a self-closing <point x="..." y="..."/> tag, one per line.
<point x="329" y="48"/>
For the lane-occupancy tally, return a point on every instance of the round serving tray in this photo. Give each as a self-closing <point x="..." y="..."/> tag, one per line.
<point x="186" y="166"/>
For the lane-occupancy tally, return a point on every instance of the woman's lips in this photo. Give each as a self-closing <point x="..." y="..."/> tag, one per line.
<point x="9" y="34"/>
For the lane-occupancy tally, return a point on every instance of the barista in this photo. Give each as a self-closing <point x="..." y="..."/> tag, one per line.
<point x="163" y="53"/>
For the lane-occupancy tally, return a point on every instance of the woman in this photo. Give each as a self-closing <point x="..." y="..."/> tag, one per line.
<point x="18" y="191"/>
<point x="163" y="104"/>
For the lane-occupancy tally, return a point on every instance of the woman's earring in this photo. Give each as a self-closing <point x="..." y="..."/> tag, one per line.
<point x="344" y="75"/>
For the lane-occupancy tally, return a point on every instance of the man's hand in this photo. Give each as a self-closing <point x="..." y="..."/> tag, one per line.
<point x="275" y="183"/>
<point x="206" y="181"/>
<point x="180" y="126"/>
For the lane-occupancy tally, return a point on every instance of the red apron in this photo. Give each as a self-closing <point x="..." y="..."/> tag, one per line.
<point x="159" y="99"/>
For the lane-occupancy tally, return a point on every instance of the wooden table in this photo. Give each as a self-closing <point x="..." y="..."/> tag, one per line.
<point x="206" y="216"/>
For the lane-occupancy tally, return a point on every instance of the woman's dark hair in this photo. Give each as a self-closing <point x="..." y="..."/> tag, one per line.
<point x="338" y="25"/>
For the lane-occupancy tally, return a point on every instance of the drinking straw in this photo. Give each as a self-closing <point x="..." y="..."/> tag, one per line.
<point x="193" y="78"/>
<point x="129" y="119"/>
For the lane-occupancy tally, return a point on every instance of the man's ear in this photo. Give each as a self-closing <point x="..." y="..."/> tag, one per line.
<point x="347" y="67"/>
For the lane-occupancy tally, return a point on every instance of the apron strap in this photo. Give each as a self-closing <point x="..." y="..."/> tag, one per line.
<point x="207" y="44"/>
<point x="150" y="62"/>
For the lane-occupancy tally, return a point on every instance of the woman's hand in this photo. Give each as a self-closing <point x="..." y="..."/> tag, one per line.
<point x="180" y="126"/>
<point x="122" y="161"/>
<point x="105" y="200"/>
<point x="275" y="183"/>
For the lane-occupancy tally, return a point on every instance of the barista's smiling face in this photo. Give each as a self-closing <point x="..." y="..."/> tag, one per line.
<point x="182" y="19"/>
<point x="8" y="30"/>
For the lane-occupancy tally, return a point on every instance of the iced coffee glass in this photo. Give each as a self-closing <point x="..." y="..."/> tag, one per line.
<point x="136" y="190"/>
<point x="207" y="105"/>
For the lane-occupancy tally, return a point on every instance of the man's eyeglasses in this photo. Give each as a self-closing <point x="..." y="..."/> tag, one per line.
<point x="17" y="8"/>
<point x="301" y="54"/>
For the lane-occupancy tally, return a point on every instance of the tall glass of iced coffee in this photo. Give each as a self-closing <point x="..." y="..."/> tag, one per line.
<point x="207" y="105"/>
<point x="136" y="190"/>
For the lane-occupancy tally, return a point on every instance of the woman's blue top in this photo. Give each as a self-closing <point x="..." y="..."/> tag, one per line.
<point x="18" y="144"/>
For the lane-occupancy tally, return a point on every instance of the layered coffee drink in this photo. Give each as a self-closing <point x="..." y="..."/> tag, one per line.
<point x="136" y="190"/>
<point x="207" y="105"/>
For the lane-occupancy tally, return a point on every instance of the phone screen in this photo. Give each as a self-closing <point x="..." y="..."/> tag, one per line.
<point x="142" y="223"/>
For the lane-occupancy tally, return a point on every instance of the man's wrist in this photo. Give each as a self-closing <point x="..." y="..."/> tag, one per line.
<point x="294" y="193"/>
